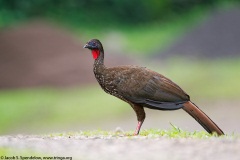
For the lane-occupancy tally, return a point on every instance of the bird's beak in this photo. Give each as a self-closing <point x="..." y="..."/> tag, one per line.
<point x="85" y="46"/>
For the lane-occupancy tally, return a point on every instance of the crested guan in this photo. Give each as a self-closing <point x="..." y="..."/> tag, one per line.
<point x="141" y="87"/>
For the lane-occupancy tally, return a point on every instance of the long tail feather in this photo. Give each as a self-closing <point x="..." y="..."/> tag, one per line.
<point x="201" y="118"/>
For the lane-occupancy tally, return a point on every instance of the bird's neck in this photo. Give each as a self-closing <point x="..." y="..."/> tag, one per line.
<point x="98" y="55"/>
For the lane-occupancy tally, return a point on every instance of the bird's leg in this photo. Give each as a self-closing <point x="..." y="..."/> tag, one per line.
<point x="138" y="128"/>
<point x="140" y="116"/>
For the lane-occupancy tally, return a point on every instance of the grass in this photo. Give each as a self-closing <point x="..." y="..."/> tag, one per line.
<point x="174" y="132"/>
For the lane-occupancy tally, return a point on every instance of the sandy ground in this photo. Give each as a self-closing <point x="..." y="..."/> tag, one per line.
<point x="118" y="148"/>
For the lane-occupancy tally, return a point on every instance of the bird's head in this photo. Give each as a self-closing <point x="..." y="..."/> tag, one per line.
<point x="95" y="46"/>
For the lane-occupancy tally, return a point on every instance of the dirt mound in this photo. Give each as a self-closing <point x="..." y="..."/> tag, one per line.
<point x="216" y="37"/>
<point x="42" y="54"/>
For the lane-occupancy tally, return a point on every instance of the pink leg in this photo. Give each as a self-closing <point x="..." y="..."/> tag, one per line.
<point x="138" y="128"/>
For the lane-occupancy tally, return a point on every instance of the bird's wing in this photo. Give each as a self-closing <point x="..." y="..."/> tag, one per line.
<point x="161" y="93"/>
<point x="151" y="89"/>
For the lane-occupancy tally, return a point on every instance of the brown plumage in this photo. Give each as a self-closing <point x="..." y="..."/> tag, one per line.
<point x="141" y="87"/>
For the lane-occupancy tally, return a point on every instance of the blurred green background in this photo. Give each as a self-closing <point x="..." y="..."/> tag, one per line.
<point x="46" y="78"/>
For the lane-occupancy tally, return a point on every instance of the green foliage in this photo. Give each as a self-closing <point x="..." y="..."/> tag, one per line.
<point x="147" y="38"/>
<point x="104" y="11"/>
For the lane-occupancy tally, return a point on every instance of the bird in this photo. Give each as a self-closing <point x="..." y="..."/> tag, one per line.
<point x="143" y="88"/>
